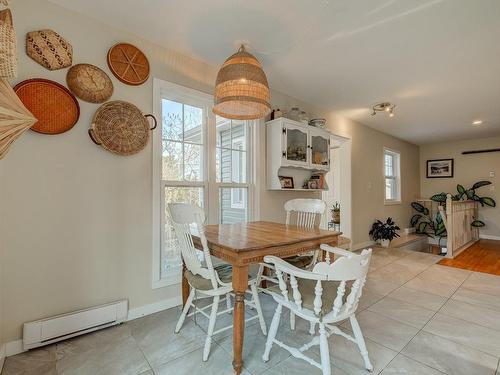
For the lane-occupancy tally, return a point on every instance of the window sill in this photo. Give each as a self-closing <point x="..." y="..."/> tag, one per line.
<point x="391" y="203"/>
<point x="168" y="281"/>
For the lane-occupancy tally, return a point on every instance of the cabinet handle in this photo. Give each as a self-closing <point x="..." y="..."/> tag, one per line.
<point x="284" y="154"/>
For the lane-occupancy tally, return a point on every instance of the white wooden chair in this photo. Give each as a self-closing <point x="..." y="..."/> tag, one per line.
<point x="304" y="213"/>
<point x="204" y="277"/>
<point x="326" y="296"/>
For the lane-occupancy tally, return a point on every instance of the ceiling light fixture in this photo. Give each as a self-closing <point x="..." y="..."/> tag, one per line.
<point x="477" y="122"/>
<point x="384" y="107"/>
<point x="241" y="88"/>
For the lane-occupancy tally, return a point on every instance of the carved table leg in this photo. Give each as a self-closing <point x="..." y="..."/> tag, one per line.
<point x="185" y="285"/>
<point x="240" y="285"/>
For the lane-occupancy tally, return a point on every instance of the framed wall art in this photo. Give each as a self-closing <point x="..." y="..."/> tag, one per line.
<point x="440" y="168"/>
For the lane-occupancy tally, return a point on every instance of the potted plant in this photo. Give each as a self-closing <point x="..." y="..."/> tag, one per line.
<point x="384" y="233"/>
<point x="336" y="213"/>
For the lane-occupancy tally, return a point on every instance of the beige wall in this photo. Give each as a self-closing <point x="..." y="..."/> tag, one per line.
<point x="368" y="180"/>
<point x="76" y="220"/>
<point x="468" y="170"/>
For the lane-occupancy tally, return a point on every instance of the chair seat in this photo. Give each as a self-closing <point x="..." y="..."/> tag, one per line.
<point x="225" y="272"/>
<point x="300" y="261"/>
<point x="306" y="288"/>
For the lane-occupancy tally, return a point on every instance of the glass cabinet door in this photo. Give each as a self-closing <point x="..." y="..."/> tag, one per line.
<point x="296" y="146"/>
<point x="320" y="153"/>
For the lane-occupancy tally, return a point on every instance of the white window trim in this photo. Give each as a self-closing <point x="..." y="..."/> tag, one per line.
<point x="210" y="184"/>
<point x="397" y="177"/>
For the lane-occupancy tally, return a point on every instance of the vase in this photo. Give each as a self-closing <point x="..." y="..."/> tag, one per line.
<point x="385" y="243"/>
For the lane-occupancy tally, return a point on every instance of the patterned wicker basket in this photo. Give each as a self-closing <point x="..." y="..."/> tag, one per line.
<point x="121" y="128"/>
<point x="8" y="46"/>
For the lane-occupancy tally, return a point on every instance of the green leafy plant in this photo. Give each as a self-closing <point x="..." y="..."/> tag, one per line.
<point x="384" y="231"/>
<point x="424" y="224"/>
<point x="336" y="207"/>
<point x="467" y="194"/>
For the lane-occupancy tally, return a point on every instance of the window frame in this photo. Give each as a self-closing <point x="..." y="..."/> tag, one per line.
<point x="396" y="177"/>
<point x="211" y="187"/>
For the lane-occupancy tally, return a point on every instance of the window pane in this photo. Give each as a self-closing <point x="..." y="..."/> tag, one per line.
<point x="172" y="120"/>
<point x="172" y="161"/>
<point x="193" y="124"/>
<point x="171" y="261"/>
<point x="193" y="162"/>
<point x="233" y="205"/>
<point x="224" y="167"/>
<point x="389" y="165"/>
<point x="239" y="170"/>
<point x="238" y="135"/>
<point x="390" y="185"/>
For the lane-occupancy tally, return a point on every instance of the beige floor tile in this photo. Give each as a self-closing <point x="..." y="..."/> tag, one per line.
<point x="380" y="287"/>
<point x="418" y="298"/>
<point x="393" y="273"/>
<point x="295" y="366"/>
<point x="385" y="331"/>
<point x="448" y="356"/>
<point x="218" y="363"/>
<point x="402" y="311"/>
<point x="436" y="281"/>
<point x="465" y="333"/>
<point x="368" y="298"/>
<point x="476" y="298"/>
<point x="473" y="313"/>
<point x="483" y="283"/>
<point x="40" y="361"/>
<point x="402" y="365"/>
<point x="36" y="369"/>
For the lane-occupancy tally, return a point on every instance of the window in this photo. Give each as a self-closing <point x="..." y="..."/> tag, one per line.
<point x="199" y="159"/>
<point x="392" y="179"/>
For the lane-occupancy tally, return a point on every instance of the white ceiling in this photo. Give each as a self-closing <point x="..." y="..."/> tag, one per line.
<point x="437" y="60"/>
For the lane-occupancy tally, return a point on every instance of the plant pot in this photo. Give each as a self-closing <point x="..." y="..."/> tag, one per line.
<point x="336" y="217"/>
<point x="385" y="243"/>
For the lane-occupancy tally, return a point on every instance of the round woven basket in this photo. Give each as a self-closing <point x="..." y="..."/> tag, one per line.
<point x="121" y="128"/>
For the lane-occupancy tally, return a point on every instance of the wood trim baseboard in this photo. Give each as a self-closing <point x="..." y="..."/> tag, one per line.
<point x="2" y="356"/>
<point x="362" y="245"/>
<point x="489" y="237"/>
<point x="13" y="348"/>
<point x="155" y="307"/>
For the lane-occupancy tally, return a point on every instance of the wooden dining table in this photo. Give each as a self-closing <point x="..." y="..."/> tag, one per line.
<point x="244" y="244"/>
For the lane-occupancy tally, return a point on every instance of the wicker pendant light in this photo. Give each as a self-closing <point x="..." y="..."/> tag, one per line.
<point x="241" y="88"/>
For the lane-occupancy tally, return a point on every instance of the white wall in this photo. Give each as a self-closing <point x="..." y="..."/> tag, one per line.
<point x="468" y="170"/>
<point x="76" y="219"/>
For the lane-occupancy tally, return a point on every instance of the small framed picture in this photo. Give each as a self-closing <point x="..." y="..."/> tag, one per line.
<point x="286" y="182"/>
<point x="440" y="168"/>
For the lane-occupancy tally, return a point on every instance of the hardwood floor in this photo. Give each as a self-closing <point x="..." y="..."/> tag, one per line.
<point x="483" y="256"/>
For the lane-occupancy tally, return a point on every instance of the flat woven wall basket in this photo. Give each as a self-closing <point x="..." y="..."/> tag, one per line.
<point x="121" y="128"/>
<point x="8" y="46"/>
<point x="55" y="107"/>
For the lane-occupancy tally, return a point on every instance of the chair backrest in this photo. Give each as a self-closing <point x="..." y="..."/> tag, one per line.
<point x="186" y="219"/>
<point x="304" y="212"/>
<point x="348" y="271"/>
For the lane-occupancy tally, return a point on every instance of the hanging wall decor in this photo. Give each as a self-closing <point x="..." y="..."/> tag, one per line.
<point x="8" y="46"/>
<point x="129" y="64"/>
<point x="15" y="118"/>
<point x="241" y="88"/>
<point x="49" y="49"/>
<point x="89" y="83"/>
<point x="5" y="2"/>
<point x="120" y="127"/>
<point x="56" y="109"/>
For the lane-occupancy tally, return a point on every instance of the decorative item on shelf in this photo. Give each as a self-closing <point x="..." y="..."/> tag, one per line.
<point x="8" y="46"/>
<point x="384" y="107"/>
<point x="89" y="83"/>
<point x="129" y="64"/>
<point x="312" y="184"/>
<point x="303" y="118"/>
<point x="49" y="49"/>
<point x="318" y="123"/>
<point x="293" y="114"/>
<point x="121" y="128"/>
<point x="56" y="109"/>
<point x="384" y="233"/>
<point x="5" y="2"/>
<point x="336" y="213"/>
<point x="440" y="168"/>
<point x="286" y="182"/>
<point x="241" y="88"/>
<point x="276" y="113"/>
<point x="15" y="118"/>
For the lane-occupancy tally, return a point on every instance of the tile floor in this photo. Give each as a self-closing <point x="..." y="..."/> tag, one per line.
<point x="417" y="318"/>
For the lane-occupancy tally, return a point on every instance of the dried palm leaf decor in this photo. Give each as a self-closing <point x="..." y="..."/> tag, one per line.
<point x="241" y="88"/>
<point x="8" y="46"/>
<point x="15" y="119"/>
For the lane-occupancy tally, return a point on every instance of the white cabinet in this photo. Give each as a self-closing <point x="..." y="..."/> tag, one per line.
<point x="295" y="150"/>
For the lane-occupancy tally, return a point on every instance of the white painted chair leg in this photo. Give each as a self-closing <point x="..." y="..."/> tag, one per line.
<point x="211" y="326"/>
<point x="312" y="328"/>
<point x="258" y="280"/>
<point x="323" y="347"/>
<point x="185" y="310"/>
<point x="272" y="332"/>
<point x="228" y="302"/>
<point x="258" y="307"/>
<point x="292" y="321"/>
<point x="361" y="342"/>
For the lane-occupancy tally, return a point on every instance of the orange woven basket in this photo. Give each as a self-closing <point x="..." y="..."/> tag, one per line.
<point x="55" y="107"/>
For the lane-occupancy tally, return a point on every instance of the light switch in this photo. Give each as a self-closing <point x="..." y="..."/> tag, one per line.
<point x="492" y="174"/>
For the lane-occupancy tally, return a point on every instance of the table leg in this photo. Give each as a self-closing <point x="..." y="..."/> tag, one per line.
<point x="185" y="285"/>
<point x="240" y="285"/>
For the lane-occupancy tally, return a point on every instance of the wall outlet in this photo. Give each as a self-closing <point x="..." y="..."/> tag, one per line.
<point x="492" y="174"/>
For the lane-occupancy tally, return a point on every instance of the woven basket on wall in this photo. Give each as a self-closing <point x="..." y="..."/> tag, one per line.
<point x="121" y="128"/>
<point x="5" y="2"/>
<point x="15" y="119"/>
<point x="8" y="47"/>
